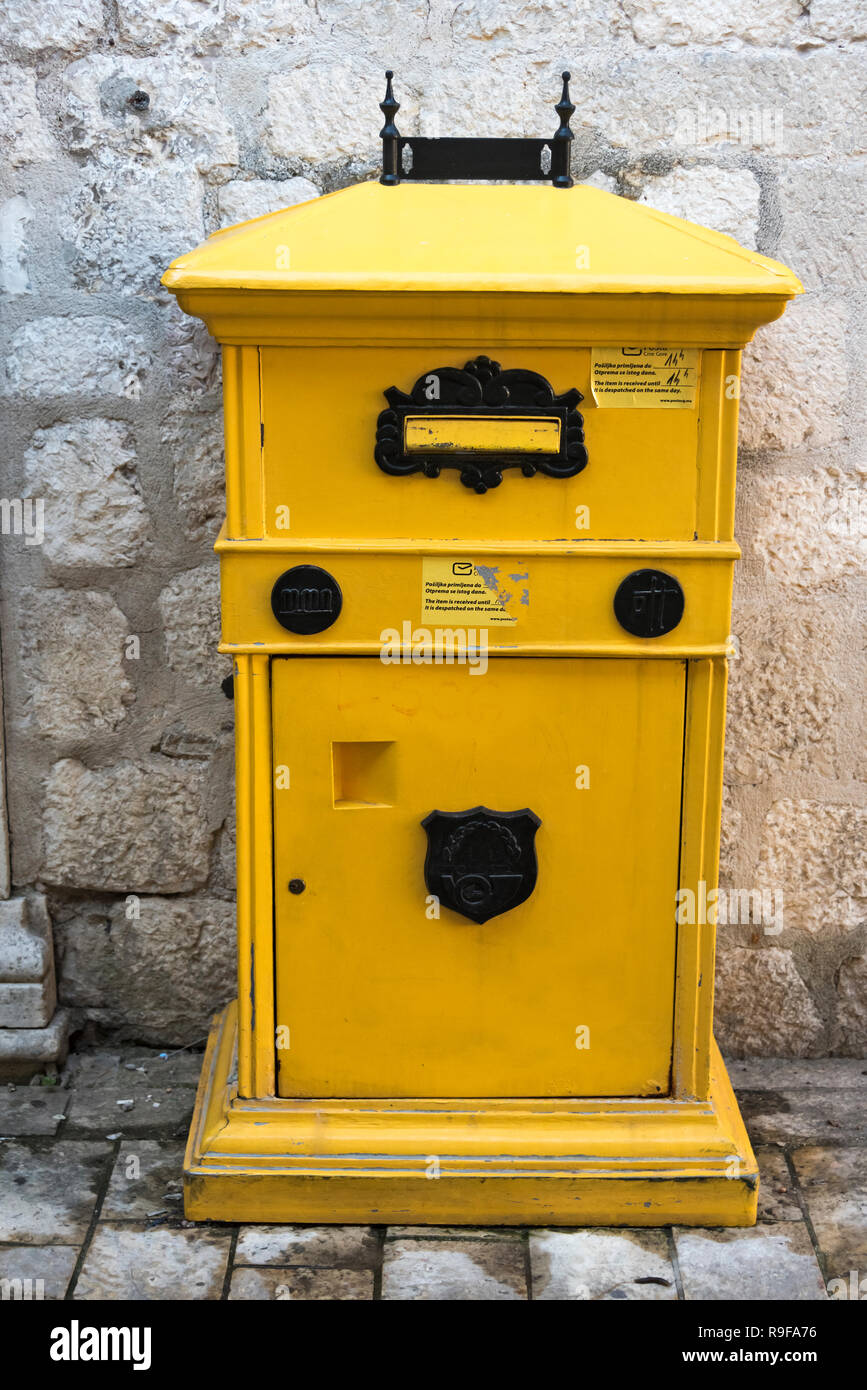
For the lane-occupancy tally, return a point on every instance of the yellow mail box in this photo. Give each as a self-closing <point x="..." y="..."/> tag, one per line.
<point x="476" y="583"/>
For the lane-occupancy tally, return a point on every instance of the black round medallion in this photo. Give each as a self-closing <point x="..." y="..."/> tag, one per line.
<point x="649" y="603"/>
<point x="306" y="599"/>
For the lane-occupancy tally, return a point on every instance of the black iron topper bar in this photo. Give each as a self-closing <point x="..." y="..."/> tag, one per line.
<point x="430" y="160"/>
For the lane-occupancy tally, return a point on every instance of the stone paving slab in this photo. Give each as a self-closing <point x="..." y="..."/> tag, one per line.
<point x="466" y="1270"/>
<point x="133" y="1066"/>
<point x="121" y="1109"/>
<point x="604" y="1265"/>
<point x="146" y="1181"/>
<point x="792" y="1074"/>
<point x="298" y="1283"/>
<point x="807" y="1120"/>
<point x="49" y="1193"/>
<point x="778" y="1198"/>
<point x="804" y="1116"/>
<point x="347" y="1247"/>
<point x="756" y="1263"/>
<point x="36" y="1271"/>
<point x="834" y="1184"/>
<point x="450" y="1232"/>
<point x="140" y="1262"/>
<point x="32" y="1110"/>
<point x="133" y="1090"/>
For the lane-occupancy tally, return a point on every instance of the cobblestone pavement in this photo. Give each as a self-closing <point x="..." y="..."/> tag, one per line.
<point x="90" y="1204"/>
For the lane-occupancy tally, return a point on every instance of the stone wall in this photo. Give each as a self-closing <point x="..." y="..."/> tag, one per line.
<point x="132" y="128"/>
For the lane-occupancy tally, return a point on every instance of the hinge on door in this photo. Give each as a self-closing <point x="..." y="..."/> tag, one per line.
<point x="261" y="434"/>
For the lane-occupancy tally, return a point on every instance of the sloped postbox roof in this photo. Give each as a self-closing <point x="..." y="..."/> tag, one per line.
<point x="481" y="238"/>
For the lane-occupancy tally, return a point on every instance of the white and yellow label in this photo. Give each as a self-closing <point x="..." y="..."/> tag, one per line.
<point x="644" y="378"/>
<point x="461" y="591"/>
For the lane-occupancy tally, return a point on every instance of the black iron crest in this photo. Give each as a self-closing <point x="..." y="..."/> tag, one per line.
<point x="481" y="863"/>
<point x="481" y="389"/>
<point x="649" y="603"/>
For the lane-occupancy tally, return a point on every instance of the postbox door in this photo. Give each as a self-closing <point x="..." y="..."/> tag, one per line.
<point x="382" y="988"/>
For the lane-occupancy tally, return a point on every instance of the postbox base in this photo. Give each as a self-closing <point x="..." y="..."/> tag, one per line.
<point x="579" y="1162"/>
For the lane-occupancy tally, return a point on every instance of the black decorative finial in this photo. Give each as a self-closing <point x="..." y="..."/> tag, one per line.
<point x="390" y="135"/>
<point x="561" y="153"/>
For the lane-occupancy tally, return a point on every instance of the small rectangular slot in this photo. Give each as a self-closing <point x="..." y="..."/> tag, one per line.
<point x="363" y="775"/>
<point x="468" y="434"/>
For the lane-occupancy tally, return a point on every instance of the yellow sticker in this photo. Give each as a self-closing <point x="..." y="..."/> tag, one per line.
<point x="644" y="378"/>
<point x="492" y="595"/>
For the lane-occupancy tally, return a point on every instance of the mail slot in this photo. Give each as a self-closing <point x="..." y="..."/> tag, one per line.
<point x="455" y="434"/>
<point x="476" y="580"/>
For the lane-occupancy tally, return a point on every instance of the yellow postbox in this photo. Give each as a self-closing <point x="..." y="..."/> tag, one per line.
<point x="476" y="579"/>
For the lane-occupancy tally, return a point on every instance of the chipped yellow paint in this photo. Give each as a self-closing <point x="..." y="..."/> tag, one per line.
<point x="380" y="1065"/>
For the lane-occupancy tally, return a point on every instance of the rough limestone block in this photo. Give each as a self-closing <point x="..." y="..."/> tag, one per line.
<point x="849" y="1034"/>
<point x="158" y="976"/>
<point x="704" y="22"/>
<point x="783" y="696"/>
<point x="172" y="24"/>
<point x="778" y="102"/>
<point x="26" y="1051"/>
<point x="22" y="131"/>
<point x="808" y="530"/>
<point x="301" y="125"/>
<point x="543" y="27"/>
<point x="94" y="512"/>
<point x="193" y="441"/>
<point x="795" y="378"/>
<point x="126" y="224"/>
<point x="28" y="1006"/>
<point x="191" y="357"/>
<point x="247" y="198"/>
<point x="730" y="837"/>
<point x="133" y="827"/>
<point x="28" y="996"/>
<point x="76" y="356"/>
<point x="52" y="24"/>
<point x="836" y="20"/>
<point x="190" y="608"/>
<point x="816" y="855"/>
<point x="74" y="670"/>
<point x="727" y="200"/>
<point x="16" y="214"/>
<point x="26" y="946"/>
<point x="824" y="220"/>
<point x="762" y="1006"/>
<point x="120" y="107"/>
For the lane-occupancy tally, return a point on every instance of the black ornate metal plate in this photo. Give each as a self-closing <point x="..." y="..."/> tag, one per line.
<point x="481" y="863"/>
<point x="478" y="390"/>
<point x="306" y="599"/>
<point x="649" y="603"/>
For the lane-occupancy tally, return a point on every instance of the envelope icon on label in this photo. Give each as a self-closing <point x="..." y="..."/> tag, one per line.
<point x="463" y="567"/>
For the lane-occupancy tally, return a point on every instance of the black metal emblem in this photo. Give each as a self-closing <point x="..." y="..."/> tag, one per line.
<point x="649" y="603"/>
<point x="478" y="390"/>
<point x="306" y="599"/>
<point x="481" y="863"/>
